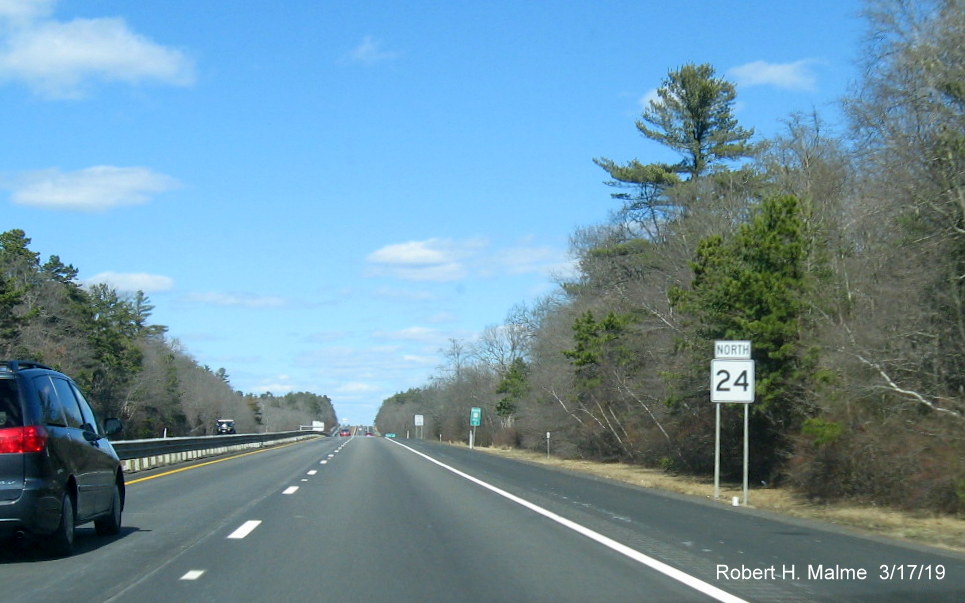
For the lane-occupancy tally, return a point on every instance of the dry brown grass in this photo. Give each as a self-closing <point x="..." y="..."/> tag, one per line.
<point x="940" y="531"/>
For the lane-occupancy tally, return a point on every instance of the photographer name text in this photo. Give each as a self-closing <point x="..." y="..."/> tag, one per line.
<point x="831" y="573"/>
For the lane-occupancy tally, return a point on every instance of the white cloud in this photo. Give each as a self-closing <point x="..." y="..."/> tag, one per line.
<point x="411" y="334"/>
<point x="19" y="11"/>
<point x="413" y="253"/>
<point x="95" y="188"/>
<point x="407" y="294"/>
<point x="357" y="388"/>
<point x="279" y="384"/>
<point x="446" y="260"/>
<point x="234" y="299"/>
<point x="792" y="76"/>
<point x="651" y="95"/>
<point x="438" y="260"/>
<point x="531" y="259"/>
<point x="421" y="360"/>
<point x="370" y="51"/>
<point x="58" y="59"/>
<point x="134" y="281"/>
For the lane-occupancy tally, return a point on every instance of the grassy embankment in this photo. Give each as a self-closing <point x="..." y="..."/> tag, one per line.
<point x="940" y="531"/>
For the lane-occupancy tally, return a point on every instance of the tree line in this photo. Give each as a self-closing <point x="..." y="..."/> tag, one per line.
<point x="127" y="367"/>
<point x="841" y="256"/>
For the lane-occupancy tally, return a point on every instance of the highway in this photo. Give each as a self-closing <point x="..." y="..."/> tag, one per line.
<point x="363" y="519"/>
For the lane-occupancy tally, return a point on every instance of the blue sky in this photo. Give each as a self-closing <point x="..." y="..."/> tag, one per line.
<point x="318" y="195"/>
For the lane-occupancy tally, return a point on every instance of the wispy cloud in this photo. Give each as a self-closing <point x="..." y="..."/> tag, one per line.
<point x="280" y="384"/>
<point x="20" y="11"/>
<point x="134" y="281"/>
<point x="370" y="52"/>
<point x="357" y="387"/>
<point x="60" y="59"/>
<point x="420" y="334"/>
<point x="245" y="300"/>
<point x="645" y="100"/>
<point x="97" y="188"/>
<point x="439" y="260"/>
<point x="791" y="76"/>
<point x="414" y="253"/>
<point x="447" y="260"/>
<point x="406" y="294"/>
<point x="531" y="260"/>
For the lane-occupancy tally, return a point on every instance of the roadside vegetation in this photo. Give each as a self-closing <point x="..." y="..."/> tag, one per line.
<point x="840" y="255"/>
<point x="922" y="526"/>
<point x="127" y="366"/>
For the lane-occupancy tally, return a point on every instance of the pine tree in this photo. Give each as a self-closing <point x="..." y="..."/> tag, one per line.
<point x="753" y="287"/>
<point x="694" y="116"/>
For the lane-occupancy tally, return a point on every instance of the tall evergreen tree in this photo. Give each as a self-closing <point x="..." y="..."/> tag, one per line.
<point x="694" y="116"/>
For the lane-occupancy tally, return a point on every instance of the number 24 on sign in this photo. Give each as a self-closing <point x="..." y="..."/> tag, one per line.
<point x="732" y="381"/>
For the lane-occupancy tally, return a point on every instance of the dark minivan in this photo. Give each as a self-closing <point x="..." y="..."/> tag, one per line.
<point x="57" y="468"/>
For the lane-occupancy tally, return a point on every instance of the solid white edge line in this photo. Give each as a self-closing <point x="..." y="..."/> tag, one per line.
<point x="696" y="583"/>
<point x="245" y="529"/>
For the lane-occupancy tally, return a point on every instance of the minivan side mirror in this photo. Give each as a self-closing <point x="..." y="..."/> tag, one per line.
<point x="112" y="426"/>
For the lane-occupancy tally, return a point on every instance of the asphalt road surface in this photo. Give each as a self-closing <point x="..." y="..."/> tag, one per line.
<point x="371" y="519"/>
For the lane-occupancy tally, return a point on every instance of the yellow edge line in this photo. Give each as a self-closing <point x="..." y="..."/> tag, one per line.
<point x="237" y="456"/>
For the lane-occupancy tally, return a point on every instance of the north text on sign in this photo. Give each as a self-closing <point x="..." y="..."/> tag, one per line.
<point x="732" y="349"/>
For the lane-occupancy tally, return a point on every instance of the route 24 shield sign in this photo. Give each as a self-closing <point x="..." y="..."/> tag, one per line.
<point x="732" y="380"/>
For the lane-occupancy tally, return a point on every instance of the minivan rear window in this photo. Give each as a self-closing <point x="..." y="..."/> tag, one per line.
<point x="9" y="404"/>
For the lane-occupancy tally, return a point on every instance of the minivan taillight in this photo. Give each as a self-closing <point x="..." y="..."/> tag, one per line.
<point x="20" y="440"/>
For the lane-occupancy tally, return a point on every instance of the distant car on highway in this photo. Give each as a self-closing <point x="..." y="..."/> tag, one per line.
<point x="226" y="426"/>
<point x="57" y="468"/>
<point x="344" y="432"/>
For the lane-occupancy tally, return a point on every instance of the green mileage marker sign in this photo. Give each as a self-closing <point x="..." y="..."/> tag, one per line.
<point x="475" y="420"/>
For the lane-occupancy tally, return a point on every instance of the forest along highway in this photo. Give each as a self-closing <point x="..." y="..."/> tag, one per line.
<point x="374" y="519"/>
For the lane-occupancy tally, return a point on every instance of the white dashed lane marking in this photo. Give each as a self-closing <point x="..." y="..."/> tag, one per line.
<point x="246" y="528"/>
<point x="249" y="526"/>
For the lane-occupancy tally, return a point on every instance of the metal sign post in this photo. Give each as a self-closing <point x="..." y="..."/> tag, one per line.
<point x="717" y="454"/>
<point x="732" y="380"/>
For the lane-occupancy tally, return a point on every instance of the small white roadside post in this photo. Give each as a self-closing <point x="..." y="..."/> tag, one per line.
<point x="732" y="380"/>
<point x="547" y="445"/>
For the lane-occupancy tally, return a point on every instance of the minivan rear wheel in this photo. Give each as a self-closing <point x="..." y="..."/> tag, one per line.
<point x="61" y="542"/>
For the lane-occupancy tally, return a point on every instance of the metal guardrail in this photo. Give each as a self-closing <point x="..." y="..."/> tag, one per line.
<point x="138" y="455"/>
